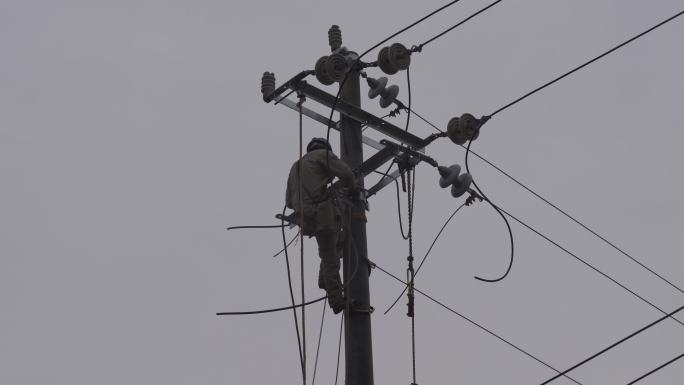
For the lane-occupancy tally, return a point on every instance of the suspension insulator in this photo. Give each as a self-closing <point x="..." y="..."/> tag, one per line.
<point x="384" y="62"/>
<point x="388" y="96"/>
<point x="335" y="37"/>
<point x="376" y="86"/>
<point x="268" y="83"/>
<point x="448" y="175"/>
<point x="322" y="73"/>
<point x="451" y="176"/>
<point x="462" y="185"/>
<point x="336" y="66"/>
<point x="463" y="128"/>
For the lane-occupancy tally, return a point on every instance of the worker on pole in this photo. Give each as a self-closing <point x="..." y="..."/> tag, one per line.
<point x="316" y="212"/>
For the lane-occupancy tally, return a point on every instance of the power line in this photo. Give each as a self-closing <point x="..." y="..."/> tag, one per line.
<point x="656" y="369"/>
<point x="374" y="265"/>
<point x="436" y="11"/>
<point x="408" y="90"/>
<point x="250" y="312"/>
<point x="420" y="46"/>
<point x="585" y="64"/>
<point x="257" y="227"/>
<point x="384" y="175"/>
<point x="346" y="75"/>
<point x="401" y="226"/>
<point x="560" y="210"/>
<point x="339" y="349"/>
<point x="294" y="308"/>
<point x="286" y="246"/>
<point x="427" y="253"/>
<point x="318" y="348"/>
<point x="508" y="225"/>
<point x="587" y="264"/>
<point x="668" y="315"/>
<point x="428" y="122"/>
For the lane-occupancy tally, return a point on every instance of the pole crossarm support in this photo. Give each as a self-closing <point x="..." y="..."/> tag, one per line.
<point x="324" y="120"/>
<point x="397" y="148"/>
<point x="410" y="144"/>
<point x="357" y="114"/>
<point x="298" y="84"/>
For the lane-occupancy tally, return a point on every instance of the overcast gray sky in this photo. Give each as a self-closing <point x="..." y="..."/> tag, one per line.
<point x="133" y="132"/>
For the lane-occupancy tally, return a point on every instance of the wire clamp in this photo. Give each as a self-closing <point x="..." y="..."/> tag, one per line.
<point x="473" y="195"/>
<point x="302" y="99"/>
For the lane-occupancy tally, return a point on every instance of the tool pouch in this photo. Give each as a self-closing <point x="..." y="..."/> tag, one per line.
<point x="319" y="218"/>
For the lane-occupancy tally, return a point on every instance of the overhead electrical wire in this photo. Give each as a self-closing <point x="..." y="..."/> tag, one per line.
<point x="396" y="183"/>
<point x="287" y="245"/>
<point x="436" y="11"/>
<point x="656" y="369"/>
<point x="339" y="349"/>
<point x="318" y="348"/>
<point x="521" y="350"/>
<point x="587" y="264"/>
<point x="467" y="151"/>
<point x="256" y="227"/>
<point x="346" y="75"/>
<point x="294" y="308"/>
<point x="408" y="90"/>
<point x="427" y="253"/>
<point x="420" y="46"/>
<point x="659" y="320"/>
<point x="508" y="225"/>
<point x="401" y="225"/>
<point x="585" y="64"/>
<point x="557" y="208"/>
<point x="277" y="309"/>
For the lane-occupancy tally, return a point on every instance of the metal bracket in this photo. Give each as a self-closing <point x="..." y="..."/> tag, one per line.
<point x="327" y="122"/>
<point x="410" y="143"/>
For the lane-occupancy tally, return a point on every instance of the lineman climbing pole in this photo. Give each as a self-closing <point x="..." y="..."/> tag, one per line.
<point x="345" y="67"/>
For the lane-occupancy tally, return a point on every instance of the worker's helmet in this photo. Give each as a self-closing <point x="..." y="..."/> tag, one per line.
<point x="318" y="144"/>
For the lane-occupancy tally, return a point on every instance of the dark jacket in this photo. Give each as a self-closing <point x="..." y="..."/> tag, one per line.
<point x="319" y="167"/>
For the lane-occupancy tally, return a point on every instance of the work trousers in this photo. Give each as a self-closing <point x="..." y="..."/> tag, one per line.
<point x="321" y="221"/>
<point x="329" y="271"/>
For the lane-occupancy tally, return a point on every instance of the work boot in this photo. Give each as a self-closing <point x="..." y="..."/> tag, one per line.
<point x="337" y="303"/>
<point x="338" y="306"/>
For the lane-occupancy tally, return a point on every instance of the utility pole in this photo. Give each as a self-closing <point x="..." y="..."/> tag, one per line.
<point x="344" y="67"/>
<point x="358" y="345"/>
